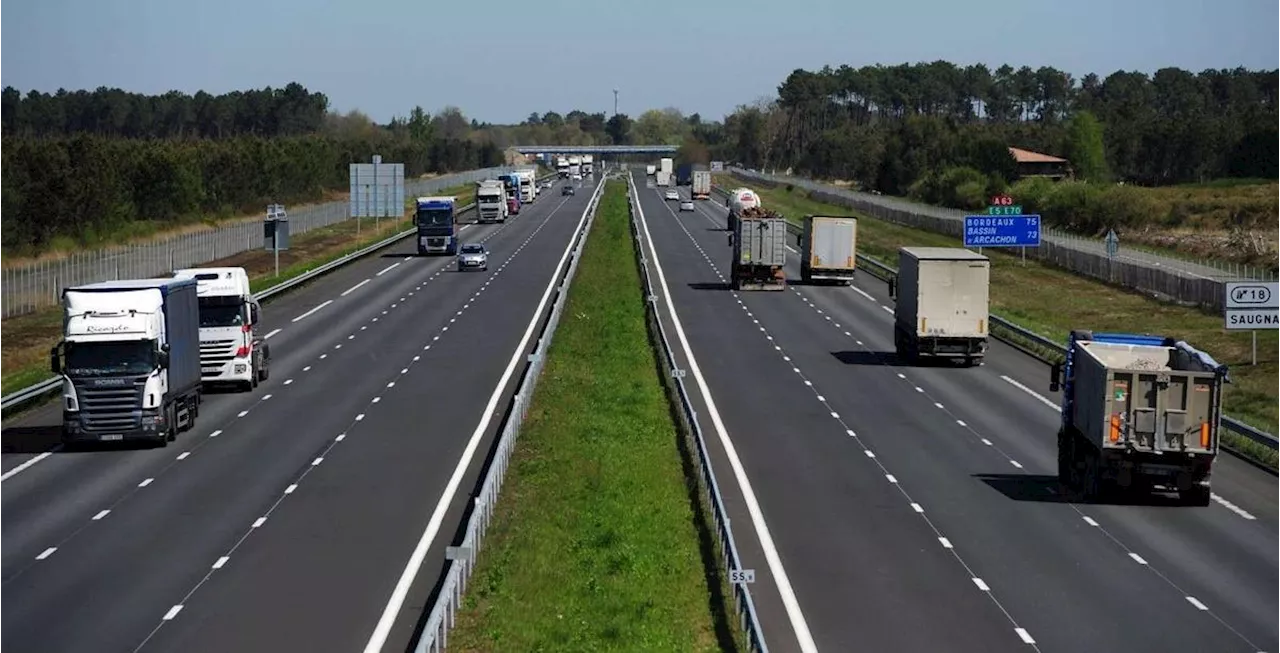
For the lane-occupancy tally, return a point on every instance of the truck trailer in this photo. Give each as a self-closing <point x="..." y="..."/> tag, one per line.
<point x="759" y="242"/>
<point x="129" y="360"/>
<point x="942" y="303"/>
<point x="662" y="178"/>
<point x="491" y="201"/>
<point x="230" y="349"/>
<point x="665" y="165"/>
<point x="588" y="164"/>
<point x="437" y="226"/>
<point x="684" y="174"/>
<point x="650" y="170"/>
<point x="1139" y="412"/>
<point x="701" y="185"/>
<point x="829" y="249"/>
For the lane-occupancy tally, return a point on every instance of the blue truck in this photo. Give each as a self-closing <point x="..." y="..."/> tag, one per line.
<point x="437" y="226"/>
<point x="1139" y="413"/>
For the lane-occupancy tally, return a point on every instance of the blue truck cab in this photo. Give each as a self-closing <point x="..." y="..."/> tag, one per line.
<point x="1139" y="413"/>
<point x="437" y="226"/>
<point x="511" y="186"/>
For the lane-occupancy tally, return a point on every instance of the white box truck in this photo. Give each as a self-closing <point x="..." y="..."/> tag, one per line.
<point x="230" y="351"/>
<point x="528" y="189"/>
<point x="588" y="164"/>
<point x="650" y="170"/>
<point x="666" y="165"/>
<point x="942" y="303"/>
<point x="129" y="360"/>
<point x="663" y="178"/>
<point x="701" y="185"/>
<point x="829" y="248"/>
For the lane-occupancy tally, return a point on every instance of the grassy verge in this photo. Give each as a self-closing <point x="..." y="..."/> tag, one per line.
<point x="595" y="544"/>
<point x="24" y="350"/>
<point x="1018" y="293"/>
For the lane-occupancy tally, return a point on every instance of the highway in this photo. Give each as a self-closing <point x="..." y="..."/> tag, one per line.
<point x="891" y="507"/>
<point x="287" y="519"/>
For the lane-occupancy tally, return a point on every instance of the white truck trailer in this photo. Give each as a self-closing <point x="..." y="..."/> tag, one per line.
<point x="942" y="302"/>
<point x="829" y="249"/>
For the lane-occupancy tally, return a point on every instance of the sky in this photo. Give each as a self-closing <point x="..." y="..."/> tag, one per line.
<point x="501" y="60"/>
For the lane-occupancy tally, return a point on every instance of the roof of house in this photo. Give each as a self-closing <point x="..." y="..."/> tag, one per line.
<point x="1027" y="156"/>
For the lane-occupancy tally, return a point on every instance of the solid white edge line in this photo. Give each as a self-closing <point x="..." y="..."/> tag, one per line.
<point x="21" y="468"/>
<point x="352" y="289"/>
<point x="789" y="600"/>
<point x="380" y="632"/>
<point x="1039" y="397"/>
<point x="308" y="313"/>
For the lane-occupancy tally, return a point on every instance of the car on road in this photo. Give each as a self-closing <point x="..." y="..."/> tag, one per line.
<point x="566" y="190"/>
<point x="673" y="196"/>
<point x="577" y="177"/>
<point x="546" y="184"/>
<point x="473" y="256"/>
<point x="686" y="205"/>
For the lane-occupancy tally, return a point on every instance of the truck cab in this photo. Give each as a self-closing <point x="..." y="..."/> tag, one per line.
<point x="129" y="360"/>
<point x="437" y="226"/>
<point x="511" y="186"/>
<point x="230" y="350"/>
<point x="491" y="201"/>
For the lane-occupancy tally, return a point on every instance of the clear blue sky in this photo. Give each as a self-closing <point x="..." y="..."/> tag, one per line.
<point x="385" y="56"/>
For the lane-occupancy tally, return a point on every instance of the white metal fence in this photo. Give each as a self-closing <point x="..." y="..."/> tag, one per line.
<point x="27" y="288"/>
<point x="1200" y="283"/>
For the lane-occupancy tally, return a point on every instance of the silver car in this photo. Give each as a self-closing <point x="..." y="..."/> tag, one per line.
<point x="686" y="205"/>
<point x="473" y="256"/>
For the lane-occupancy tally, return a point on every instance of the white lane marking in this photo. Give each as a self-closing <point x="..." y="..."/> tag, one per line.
<point x="961" y="422"/>
<point x="317" y="461"/>
<point x="946" y="544"/>
<point x="1232" y="507"/>
<point x="288" y="381"/>
<point x="20" y="468"/>
<point x="291" y="488"/>
<point x="1041" y="398"/>
<point x="46" y="553"/>
<point x="273" y="332"/>
<point x="266" y="397"/>
<point x="173" y="612"/>
<point x="183" y="455"/>
<point x="1026" y="636"/>
<point x="101" y="514"/>
<point x="308" y="313"/>
<point x="982" y="585"/>
<point x="1196" y="602"/>
<point x="396" y="601"/>
<point x="221" y="562"/>
<point x="242" y="413"/>
<point x="146" y="481"/>
<point x="891" y="478"/>
<point x="387" y="269"/>
<point x="1137" y="558"/>
<point x="216" y="433"/>
<point x="1089" y="520"/>
<point x="341" y="437"/>
<point x="257" y="523"/>
<point x="917" y="507"/>
<point x="886" y="308"/>
<point x="863" y="293"/>
<point x="1015" y="463"/>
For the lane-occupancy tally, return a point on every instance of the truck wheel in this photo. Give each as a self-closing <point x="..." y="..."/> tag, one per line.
<point x="264" y="372"/>
<point x="1196" y="495"/>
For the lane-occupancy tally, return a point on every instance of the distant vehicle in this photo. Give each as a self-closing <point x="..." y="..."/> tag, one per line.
<point x="577" y="177"/>
<point x="230" y="349"/>
<point x="566" y="190"/>
<point x="473" y="256"/>
<point x="941" y="309"/>
<point x="673" y="196"/>
<point x="686" y="205"/>
<point x="546" y="184"/>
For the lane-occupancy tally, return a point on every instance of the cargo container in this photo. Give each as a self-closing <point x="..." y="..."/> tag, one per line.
<point x="829" y="248"/>
<point x="129" y="360"/>
<point x="759" y="243"/>
<point x="942" y="296"/>
<point x="662" y="178"/>
<point x="701" y="184"/>
<point x="664" y="165"/>
<point x="1139" y="412"/>
<point x="684" y="174"/>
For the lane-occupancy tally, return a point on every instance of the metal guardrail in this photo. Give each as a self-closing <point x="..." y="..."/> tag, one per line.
<point x="461" y="563"/>
<point x="53" y="384"/>
<point x="1021" y="337"/>
<point x="730" y="560"/>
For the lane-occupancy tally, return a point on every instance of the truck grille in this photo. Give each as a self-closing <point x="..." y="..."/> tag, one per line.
<point x="111" y="408"/>
<point x="214" y="353"/>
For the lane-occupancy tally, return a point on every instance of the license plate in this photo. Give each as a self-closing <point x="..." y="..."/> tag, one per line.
<point x="111" y="437"/>
<point x="211" y="370"/>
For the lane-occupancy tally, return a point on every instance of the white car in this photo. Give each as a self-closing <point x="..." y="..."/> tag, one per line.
<point x="673" y="196"/>
<point x="473" y="256"/>
<point x="686" y="205"/>
<point x="577" y="177"/>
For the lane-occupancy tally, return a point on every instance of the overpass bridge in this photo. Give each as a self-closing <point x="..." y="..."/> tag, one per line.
<point x="595" y="149"/>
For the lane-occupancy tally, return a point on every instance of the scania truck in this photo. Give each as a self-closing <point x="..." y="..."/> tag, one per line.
<point x="491" y="201"/>
<point x="230" y="350"/>
<point x="437" y="226"/>
<point x="129" y="360"/>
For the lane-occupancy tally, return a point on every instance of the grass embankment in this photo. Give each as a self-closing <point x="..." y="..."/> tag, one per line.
<point x="24" y="350"/>
<point x="594" y="544"/>
<point x="1018" y="293"/>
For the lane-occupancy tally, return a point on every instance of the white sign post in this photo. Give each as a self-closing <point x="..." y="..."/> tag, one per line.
<point x="1251" y="306"/>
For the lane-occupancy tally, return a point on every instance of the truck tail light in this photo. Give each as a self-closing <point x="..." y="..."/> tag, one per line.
<point x="1114" y="436"/>
<point x="1204" y="435"/>
<point x="982" y="326"/>
<point x="243" y="351"/>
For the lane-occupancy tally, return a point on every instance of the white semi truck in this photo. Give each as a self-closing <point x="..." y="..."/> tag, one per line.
<point x="230" y="351"/>
<point x="528" y="186"/>
<point x="129" y="360"/>
<point x="491" y="201"/>
<point x="575" y="166"/>
<point x="588" y="164"/>
<point x="562" y="167"/>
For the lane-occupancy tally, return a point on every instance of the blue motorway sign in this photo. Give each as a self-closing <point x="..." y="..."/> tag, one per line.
<point x="1001" y="231"/>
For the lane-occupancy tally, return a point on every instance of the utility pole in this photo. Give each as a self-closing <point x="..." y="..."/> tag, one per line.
<point x="615" y="101"/>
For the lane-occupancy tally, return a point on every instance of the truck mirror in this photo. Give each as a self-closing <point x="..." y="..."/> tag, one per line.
<point x="55" y="362"/>
<point x="893" y="288"/>
<point x="163" y="358"/>
<point x="1055" y="377"/>
<point x="253" y="314"/>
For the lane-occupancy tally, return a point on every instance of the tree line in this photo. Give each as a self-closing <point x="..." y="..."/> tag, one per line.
<point x="82" y="168"/>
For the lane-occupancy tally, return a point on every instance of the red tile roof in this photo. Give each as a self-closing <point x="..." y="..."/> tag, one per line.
<point x="1027" y="156"/>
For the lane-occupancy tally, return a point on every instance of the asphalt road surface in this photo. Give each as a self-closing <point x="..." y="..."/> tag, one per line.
<point x="912" y="508"/>
<point x="284" y="521"/>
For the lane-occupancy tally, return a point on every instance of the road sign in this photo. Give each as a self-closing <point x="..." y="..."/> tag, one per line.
<point x="1013" y="209"/>
<point x="717" y="166"/>
<point x="1252" y="305"/>
<point x="1002" y="231"/>
<point x="737" y="576"/>
<point x="1113" y="243"/>
<point x="377" y="189"/>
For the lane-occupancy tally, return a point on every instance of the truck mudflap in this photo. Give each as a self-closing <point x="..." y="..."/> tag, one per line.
<point x="758" y="277"/>
<point x="1100" y="475"/>
<point x="912" y="347"/>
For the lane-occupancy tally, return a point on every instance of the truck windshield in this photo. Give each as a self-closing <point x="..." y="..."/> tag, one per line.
<point x="490" y="199"/>
<point x="220" y="312"/>
<point x="132" y="357"/>
<point x="435" y="217"/>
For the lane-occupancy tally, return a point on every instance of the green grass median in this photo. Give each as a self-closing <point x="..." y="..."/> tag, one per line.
<point x="595" y="540"/>
<point x="1052" y="301"/>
